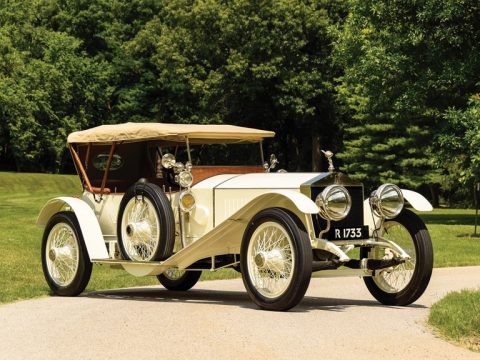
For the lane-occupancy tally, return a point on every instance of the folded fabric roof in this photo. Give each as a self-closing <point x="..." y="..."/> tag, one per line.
<point x="195" y="133"/>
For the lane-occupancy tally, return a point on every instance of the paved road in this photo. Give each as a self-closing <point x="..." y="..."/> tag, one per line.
<point x="338" y="319"/>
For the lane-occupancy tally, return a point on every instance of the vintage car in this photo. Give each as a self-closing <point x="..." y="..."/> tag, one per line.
<point x="173" y="200"/>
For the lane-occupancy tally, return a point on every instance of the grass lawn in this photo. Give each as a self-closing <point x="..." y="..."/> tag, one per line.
<point x="23" y="195"/>
<point x="457" y="318"/>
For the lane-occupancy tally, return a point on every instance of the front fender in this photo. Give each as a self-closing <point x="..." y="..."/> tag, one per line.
<point x="292" y="200"/>
<point x="92" y="234"/>
<point x="415" y="199"/>
<point x="226" y="237"/>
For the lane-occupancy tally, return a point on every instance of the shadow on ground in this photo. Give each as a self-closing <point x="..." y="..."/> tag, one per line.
<point x="229" y="298"/>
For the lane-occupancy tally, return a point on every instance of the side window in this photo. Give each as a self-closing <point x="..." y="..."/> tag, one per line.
<point x="101" y="160"/>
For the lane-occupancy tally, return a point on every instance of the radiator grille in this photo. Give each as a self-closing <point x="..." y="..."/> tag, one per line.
<point x="354" y="217"/>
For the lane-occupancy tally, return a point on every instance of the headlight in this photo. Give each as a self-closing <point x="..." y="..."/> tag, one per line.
<point x="334" y="202"/>
<point x="387" y="201"/>
<point x="178" y="167"/>
<point x="187" y="201"/>
<point x="168" y="161"/>
<point x="185" y="179"/>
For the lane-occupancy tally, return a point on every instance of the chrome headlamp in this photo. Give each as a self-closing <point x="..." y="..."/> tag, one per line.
<point x="185" y="179"/>
<point x="387" y="201"/>
<point x="168" y="161"/>
<point x="334" y="202"/>
<point x="187" y="201"/>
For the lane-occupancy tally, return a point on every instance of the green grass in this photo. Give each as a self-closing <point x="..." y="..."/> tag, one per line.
<point x="452" y="235"/>
<point x="457" y="317"/>
<point x="23" y="195"/>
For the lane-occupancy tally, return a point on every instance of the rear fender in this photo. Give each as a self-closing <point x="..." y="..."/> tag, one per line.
<point x="89" y="226"/>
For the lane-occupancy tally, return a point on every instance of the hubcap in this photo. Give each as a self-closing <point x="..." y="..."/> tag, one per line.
<point x="52" y="254"/>
<point x="270" y="259"/>
<point x="273" y="260"/>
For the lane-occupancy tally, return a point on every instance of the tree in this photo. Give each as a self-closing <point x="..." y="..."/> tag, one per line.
<point x="48" y="89"/>
<point x="262" y="64"/>
<point x="458" y="150"/>
<point x="405" y="63"/>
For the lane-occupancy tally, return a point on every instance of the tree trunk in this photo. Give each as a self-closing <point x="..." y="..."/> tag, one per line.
<point x="316" y="146"/>
<point x="434" y="193"/>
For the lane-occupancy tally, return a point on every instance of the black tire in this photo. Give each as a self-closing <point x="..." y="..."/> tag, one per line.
<point x="149" y="194"/>
<point x="66" y="221"/>
<point x="422" y="250"/>
<point x="299" y="248"/>
<point x="185" y="281"/>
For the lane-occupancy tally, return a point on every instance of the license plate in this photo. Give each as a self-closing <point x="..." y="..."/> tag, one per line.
<point x="348" y="233"/>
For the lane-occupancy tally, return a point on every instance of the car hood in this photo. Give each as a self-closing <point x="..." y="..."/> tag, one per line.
<point x="265" y="180"/>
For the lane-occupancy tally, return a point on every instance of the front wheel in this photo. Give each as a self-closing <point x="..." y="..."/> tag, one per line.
<point x="179" y="280"/>
<point x="276" y="259"/>
<point x="65" y="262"/>
<point x="405" y="283"/>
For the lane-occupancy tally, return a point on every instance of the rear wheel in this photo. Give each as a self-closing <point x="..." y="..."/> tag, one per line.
<point x="146" y="226"/>
<point x="179" y="280"/>
<point x="405" y="283"/>
<point x="65" y="262"/>
<point x="276" y="260"/>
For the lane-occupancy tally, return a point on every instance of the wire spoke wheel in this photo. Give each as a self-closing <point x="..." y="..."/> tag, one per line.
<point x="174" y="274"/>
<point x="179" y="280"/>
<point x="141" y="229"/>
<point x="276" y="259"/>
<point x="404" y="283"/>
<point x="395" y="279"/>
<point x="145" y="224"/>
<point x="65" y="262"/>
<point x="62" y="249"/>
<point x="270" y="260"/>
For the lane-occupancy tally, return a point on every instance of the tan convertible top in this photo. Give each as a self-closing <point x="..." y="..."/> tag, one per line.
<point x="196" y="134"/>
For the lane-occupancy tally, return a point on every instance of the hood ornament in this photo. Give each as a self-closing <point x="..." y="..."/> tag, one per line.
<point x="328" y="154"/>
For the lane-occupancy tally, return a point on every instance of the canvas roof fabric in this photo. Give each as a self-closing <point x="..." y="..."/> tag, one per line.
<point x="196" y="134"/>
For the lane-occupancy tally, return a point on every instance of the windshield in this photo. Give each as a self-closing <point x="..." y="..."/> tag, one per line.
<point x="218" y="154"/>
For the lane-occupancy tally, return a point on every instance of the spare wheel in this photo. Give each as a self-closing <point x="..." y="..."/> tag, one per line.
<point x="145" y="224"/>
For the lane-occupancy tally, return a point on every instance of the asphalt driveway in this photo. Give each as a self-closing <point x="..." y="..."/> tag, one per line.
<point x="338" y="319"/>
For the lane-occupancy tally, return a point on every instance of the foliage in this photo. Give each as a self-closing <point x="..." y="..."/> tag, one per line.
<point x="72" y="64"/>
<point x="405" y="63"/>
<point x="391" y="85"/>
<point x="48" y="88"/>
<point x="459" y="144"/>
<point x="263" y="64"/>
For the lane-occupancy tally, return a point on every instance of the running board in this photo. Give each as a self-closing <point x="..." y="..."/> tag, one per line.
<point x="342" y="273"/>
<point x="136" y="268"/>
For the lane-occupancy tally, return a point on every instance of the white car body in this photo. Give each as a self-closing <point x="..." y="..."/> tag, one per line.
<point x="145" y="212"/>
<point x="225" y="203"/>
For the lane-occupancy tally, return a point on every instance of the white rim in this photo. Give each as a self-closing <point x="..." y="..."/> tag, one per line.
<point x="397" y="278"/>
<point x="174" y="274"/>
<point x="62" y="254"/>
<point x="270" y="259"/>
<point x="140" y="229"/>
